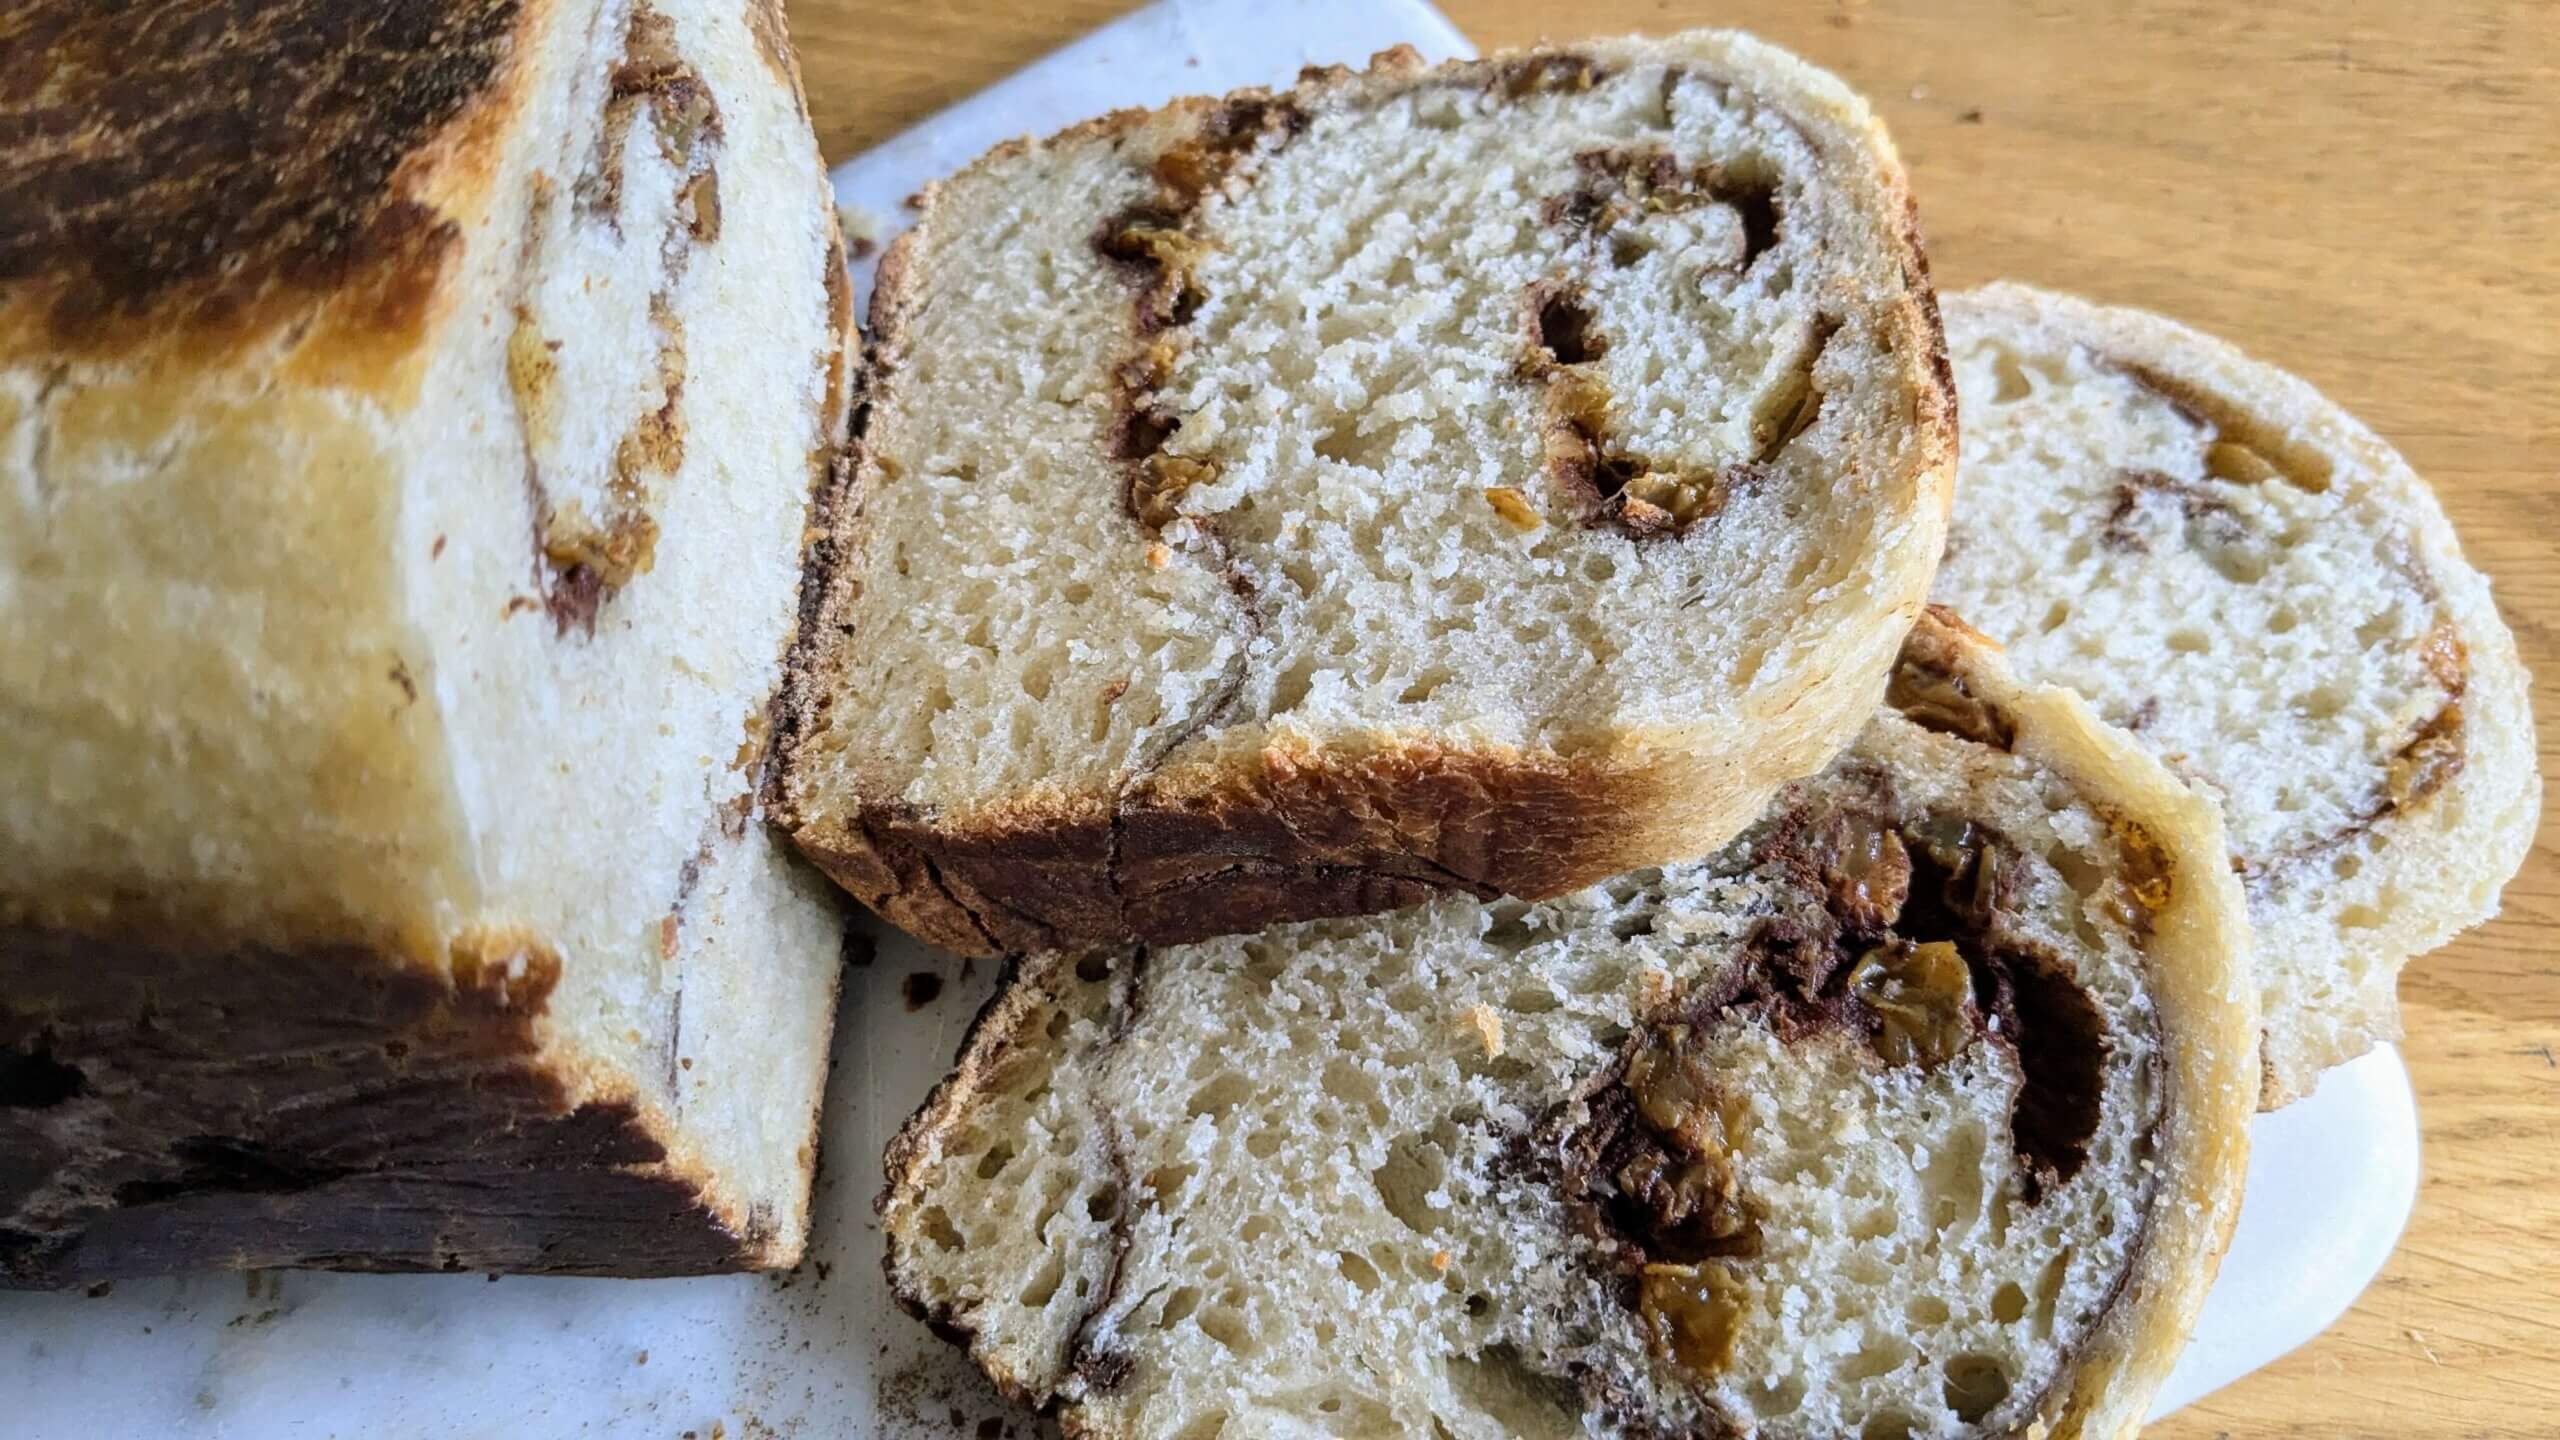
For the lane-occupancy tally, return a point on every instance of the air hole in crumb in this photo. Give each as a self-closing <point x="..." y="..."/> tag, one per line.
<point x="1888" y="1425"/>
<point x="1224" y="1325"/>
<point x="1627" y="249"/>
<point x="1875" y="1224"/>
<point x="1262" y="1144"/>
<point x="2011" y="379"/>
<point x="1356" y="1270"/>
<point x="2323" y="702"/>
<point x="1179" y="1305"/>
<point x="2347" y="866"/>
<point x="1975" y="1386"/>
<point x="1103" y="1205"/>
<point x="2190" y="642"/>
<point x="2058" y="615"/>
<point x="1343" y="444"/>
<point x="1257" y="1228"/>
<point x="2009" y="1304"/>
<point x="1414" y="1168"/>
<point x="938" y="1228"/>
<point x="1424" y="686"/>
<point x="2283" y="620"/>
<point x="1289" y="690"/>
<point x="1165" y="1181"/>
<point x="1926" y="1310"/>
<point x="1220" y="1095"/>
<point x="991" y="1164"/>
<point x="1035" y="682"/>
<point x="1599" y="569"/>
<point x="1565" y="329"/>
<point x="1881" y="1355"/>
<point x="1530" y="1002"/>
<point x="1059" y="1023"/>
<point x="2360" y="917"/>
<point x="1628" y="927"/>
<point x="1045" y="1282"/>
<point x="1094" y="969"/>
<point x="1507" y="928"/>
<point x="1478" y="1305"/>
<point x="1785" y="1397"/>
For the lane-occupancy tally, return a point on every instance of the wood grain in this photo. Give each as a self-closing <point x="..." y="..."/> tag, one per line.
<point x="2365" y="193"/>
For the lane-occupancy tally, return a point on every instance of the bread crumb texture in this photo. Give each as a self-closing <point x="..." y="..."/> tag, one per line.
<point x="1856" y="1128"/>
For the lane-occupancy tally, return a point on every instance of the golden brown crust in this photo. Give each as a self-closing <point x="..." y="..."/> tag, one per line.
<point x="218" y="172"/>
<point x="166" y="1106"/>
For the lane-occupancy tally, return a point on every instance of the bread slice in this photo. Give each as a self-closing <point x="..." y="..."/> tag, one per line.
<point x="1478" y="479"/>
<point x="2242" y="575"/>
<point x="408" y="424"/>
<point x="1920" y="1110"/>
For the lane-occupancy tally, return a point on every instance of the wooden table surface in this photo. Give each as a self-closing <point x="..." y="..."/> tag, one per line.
<point x="2365" y="193"/>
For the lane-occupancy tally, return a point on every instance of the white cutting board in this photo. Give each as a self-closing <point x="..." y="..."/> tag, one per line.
<point x="823" y="1352"/>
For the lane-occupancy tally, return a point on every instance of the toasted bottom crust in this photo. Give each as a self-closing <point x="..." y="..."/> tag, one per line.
<point x="1296" y="834"/>
<point x="165" y="1107"/>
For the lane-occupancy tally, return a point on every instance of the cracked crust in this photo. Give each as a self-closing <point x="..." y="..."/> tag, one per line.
<point x="1238" y="824"/>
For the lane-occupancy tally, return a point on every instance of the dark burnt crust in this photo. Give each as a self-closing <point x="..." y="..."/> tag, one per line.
<point x="331" y="1105"/>
<point x="221" y="169"/>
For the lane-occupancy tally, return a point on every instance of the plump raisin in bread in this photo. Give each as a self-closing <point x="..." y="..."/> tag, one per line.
<point x="1482" y="479"/>
<point x="2230" y="567"/>
<point x="1919" y="1110"/>
<point x="409" y="417"/>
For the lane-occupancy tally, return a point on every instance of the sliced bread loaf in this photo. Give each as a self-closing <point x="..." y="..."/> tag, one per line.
<point x="2239" y="573"/>
<point x="1483" y="479"/>
<point x="1920" y="1110"/>
<point x="408" y="422"/>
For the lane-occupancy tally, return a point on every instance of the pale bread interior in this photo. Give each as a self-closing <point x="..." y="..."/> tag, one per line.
<point x="1354" y="375"/>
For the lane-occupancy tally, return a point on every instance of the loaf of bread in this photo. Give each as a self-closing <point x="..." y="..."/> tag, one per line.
<point x="1920" y="1110"/>
<point x="1481" y="479"/>
<point x="409" y="420"/>
<point x="2239" y="573"/>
